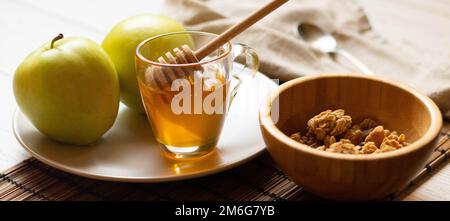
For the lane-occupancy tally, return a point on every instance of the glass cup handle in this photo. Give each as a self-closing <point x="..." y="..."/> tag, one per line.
<point x="251" y="63"/>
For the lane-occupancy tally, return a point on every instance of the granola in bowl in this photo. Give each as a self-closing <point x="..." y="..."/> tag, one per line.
<point x="333" y="131"/>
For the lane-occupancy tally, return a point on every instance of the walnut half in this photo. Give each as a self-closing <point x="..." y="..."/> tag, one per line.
<point x="329" y="123"/>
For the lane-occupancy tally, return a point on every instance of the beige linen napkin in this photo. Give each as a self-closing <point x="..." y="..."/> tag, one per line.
<point x="284" y="56"/>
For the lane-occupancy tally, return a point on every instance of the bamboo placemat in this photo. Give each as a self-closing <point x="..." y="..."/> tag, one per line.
<point x="257" y="180"/>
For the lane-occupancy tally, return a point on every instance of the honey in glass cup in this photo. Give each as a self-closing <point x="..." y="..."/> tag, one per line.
<point x="187" y="111"/>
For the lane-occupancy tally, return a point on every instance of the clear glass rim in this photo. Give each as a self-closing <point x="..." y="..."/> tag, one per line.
<point x="143" y="58"/>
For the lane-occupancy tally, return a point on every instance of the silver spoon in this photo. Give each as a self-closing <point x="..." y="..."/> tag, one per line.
<point x="326" y="43"/>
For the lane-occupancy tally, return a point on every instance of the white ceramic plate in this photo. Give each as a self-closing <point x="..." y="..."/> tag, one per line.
<point x="129" y="153"/>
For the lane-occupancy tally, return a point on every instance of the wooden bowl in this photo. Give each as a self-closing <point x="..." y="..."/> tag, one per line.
<point x="342" y="176"/>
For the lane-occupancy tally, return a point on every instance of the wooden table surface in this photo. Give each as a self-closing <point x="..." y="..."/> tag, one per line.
<point x="27" y="24"/>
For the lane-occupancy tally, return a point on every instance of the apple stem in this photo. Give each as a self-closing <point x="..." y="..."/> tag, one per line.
<point x="60" y="36"/>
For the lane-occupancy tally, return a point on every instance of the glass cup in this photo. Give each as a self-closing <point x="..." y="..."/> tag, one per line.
<point x="186" y="104"/>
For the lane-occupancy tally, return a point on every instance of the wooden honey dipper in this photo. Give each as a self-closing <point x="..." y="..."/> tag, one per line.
<point x="185" y="55"/>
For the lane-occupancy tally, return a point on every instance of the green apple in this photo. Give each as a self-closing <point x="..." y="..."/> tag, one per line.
<point x="68" y="88"/>
<point x="121" y="43"/>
